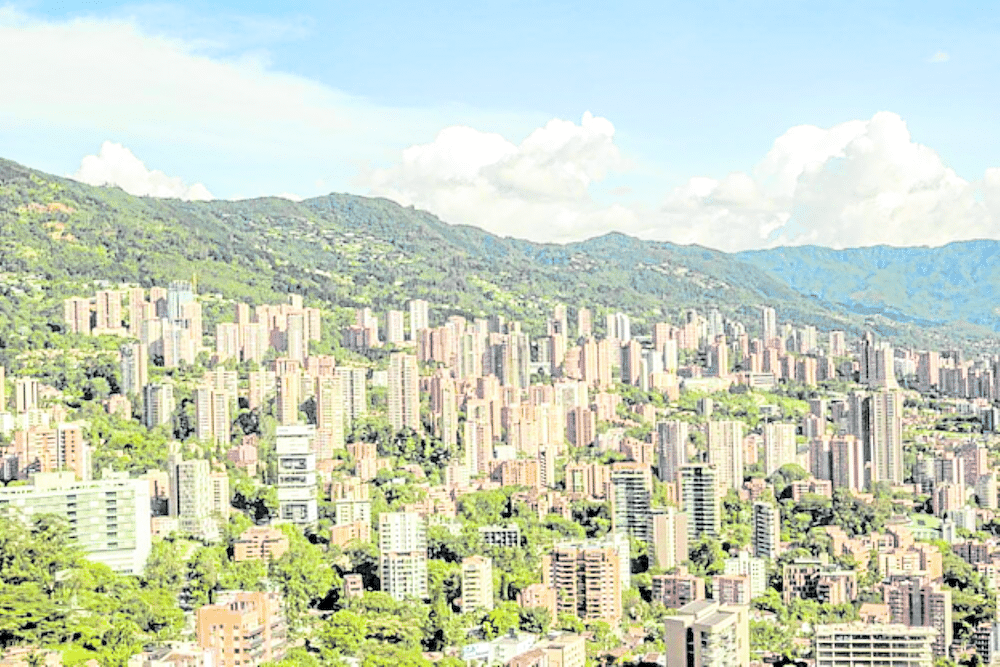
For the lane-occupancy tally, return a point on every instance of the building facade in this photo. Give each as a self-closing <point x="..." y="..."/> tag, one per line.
<point x="700" y="501"/>
<point x="297" y="501"/>
<point x="108" y="518"/>
<point x="874" y="645"/>
<point x="246" y="629"/>
<point x="708" y="634"/>
<point x="403" y="561"/>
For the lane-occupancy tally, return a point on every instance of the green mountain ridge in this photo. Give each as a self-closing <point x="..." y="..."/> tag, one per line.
<point x="350" y="251"/>
<point x="928" y="286"/>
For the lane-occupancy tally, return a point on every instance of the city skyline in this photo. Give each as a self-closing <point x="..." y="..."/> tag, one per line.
<point x="280" y="432"/>
<point x="561" y="492"/>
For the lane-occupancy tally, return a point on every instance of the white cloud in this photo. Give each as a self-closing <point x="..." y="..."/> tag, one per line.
<point x="116" y="165"/>
<point x="939" y="57"/>
<point x="234" y="122"/>
<point x="244" y="128"/>
<point x="535" y="189"/>
<point x="856" y="183"/>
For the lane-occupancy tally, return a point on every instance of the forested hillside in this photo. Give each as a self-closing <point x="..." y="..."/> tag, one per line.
<point x="352" y="251"/>
<point x="349" y="251"/>
<point x="927" y="286"/>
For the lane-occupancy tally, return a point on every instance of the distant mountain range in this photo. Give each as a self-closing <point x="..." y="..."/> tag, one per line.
<point x="352" y="251"/>
<point x="959" y="282"/>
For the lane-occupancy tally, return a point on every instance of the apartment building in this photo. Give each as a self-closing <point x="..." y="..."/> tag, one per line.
<point x="876" y="645"/>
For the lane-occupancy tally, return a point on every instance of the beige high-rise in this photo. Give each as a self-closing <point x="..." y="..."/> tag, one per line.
<point x="873" y="645"/>
<point x="477" y="584"/>
<point x="706" y="633"/>
<point x="587" y="580"/>
<point x="404" y="392"/>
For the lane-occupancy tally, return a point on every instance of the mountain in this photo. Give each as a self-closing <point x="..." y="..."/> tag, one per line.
<point x="346" y="251"/>
<point x="926" y="286"/>
<point x="351" y="251"/>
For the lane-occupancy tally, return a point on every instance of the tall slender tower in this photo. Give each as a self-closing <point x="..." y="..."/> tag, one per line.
<point x="404" y="392"/>
<point x="584" y="323"/>
<point x="353" y="390"/>
<point x="402" y="541"/>
<point x="700" y="500"/>
<point x="672" y="438"/>
<point x="289" y="397"/>
<point x="779" y="446"/>
<point x="725" y="451"/>
<point x="157" y="403"/>
<point x="885" y="419"/>
<point x="766" y="535"/>
<point x="419" y="318"/>
<point x="768" y="326"/>
<point x="632" y="490"/>
<point x="296" y="474"/>
<point x="296" y="338"/>
<point x="134" y="368"/>
<point x="877" y="363"/>
<point x="330" y="409"/>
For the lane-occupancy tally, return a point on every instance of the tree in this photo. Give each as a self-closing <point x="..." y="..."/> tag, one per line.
<point x="772" y="639"/>
<point x="363" y="558"/>
<point x="247" y="575"/>
<point x="387" y="655"/>
<point x="785" y="475"/>
<point x="770" y="601"/>
<point x="341" y="634"/>
<point x="155" y="611"/>
<point x="707" y="556"/>
<point x="603" y="634"/>
<point x="445" y="545"/>
<point x="593" y="516"/>
<point x="566" y="528"/>
<point x="302" y="575"/>
<point x="394" y="630"/>
<point x="503" y="618"/>
<point x="203" y="574"/>
<point x="857" y="517"/>
<point x="569" y="623"/>
<point x="162" y="571"/>
<point x="535" y="620"/>
<point x="119" y="644"/>
<point x="37" y="553"/>
<point x="259" y="501"/>
<point x="484" y="507"/>
<point x="28" y="616"/>
<point x="299" y="657"/>
<point x="444" y="582"/>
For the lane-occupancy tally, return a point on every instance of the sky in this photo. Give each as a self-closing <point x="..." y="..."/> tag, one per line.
<point x="734" y="125"/>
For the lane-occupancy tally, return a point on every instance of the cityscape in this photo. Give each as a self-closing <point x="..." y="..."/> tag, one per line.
<point x="414" y="487"/>
<point x="499" y="334"/>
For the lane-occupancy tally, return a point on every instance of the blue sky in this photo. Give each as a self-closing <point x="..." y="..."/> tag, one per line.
<point x="691" y="101"/>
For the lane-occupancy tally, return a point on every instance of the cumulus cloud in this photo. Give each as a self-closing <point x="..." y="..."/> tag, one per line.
<point x="862" y="182"/>
<point x="857" y="183"/>
<point x="67" y="85"/>
<point x="116" y="165"/>
<point x="260" y="131"/>
<point x="538" y="188"/>
<point x="939" y="57"/>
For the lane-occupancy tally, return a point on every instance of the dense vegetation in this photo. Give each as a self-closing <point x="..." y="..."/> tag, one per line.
<point x="350" y="251"/>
